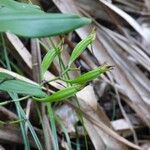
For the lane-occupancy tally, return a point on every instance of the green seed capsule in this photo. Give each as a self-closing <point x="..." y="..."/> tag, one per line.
<point x="60" y="95"/>
<point x="81" y="46"/>
<point x="90" y="75"/>
<point x="48" y="59"/>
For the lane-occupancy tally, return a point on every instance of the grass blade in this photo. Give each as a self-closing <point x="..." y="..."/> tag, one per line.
<point x="22" y="123"/>
<point x="65" y="132"/>
<point x="53" y="126"/>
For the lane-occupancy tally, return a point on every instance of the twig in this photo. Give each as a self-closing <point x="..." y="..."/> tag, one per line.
<point x="123" y="111"/>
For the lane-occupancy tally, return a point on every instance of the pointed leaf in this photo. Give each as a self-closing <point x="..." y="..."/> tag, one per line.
<point x="26" y="20"/>
<point x="10" y="84"/>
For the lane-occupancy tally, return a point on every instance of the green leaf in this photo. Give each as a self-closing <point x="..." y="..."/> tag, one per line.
<point x="10" y="84"/>
<point x="51" y="116"/>
<point x="26" y="20"/>
<point x="60" y="122"/>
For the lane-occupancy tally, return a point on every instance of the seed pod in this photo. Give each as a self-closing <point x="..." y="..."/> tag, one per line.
<point x="48" y="59"/>
<point x="60" y="95"/>
<point x="90" y="75"/>
<point x="81" y="46"/>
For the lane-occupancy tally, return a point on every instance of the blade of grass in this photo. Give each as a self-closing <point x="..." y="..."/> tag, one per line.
<point x="35" y="137"/>
<point x="77" y="139"/>
<point x="60" y="95"/>
<point x="21" y="113"/>
<point x="53" y="126"/>
<point x="24" y="135"/>
<point x="14" y="100"/>
<point x="58" y="120"/>
<point x="22" y="124"/>
<point x="5" y="53"/>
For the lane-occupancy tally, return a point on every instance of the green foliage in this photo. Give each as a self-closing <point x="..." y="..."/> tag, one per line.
<point x="51" y="115"/>
<point x="78" y="82"/>
<point x="26" y="20"/>
<point x="60" y="122"/>
<point x="10" y="84"/>
<point x="30" y="21"/>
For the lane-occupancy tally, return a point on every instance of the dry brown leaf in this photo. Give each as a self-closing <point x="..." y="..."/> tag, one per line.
<point x="121" y="124"/>
<point x="13" y="135"/>
<point x="88" y="95"/>
<point x="125" y="16"/>
<point x="103" y="128"/>
<point x="17" y="76"/>
<point x="7" y="114"/>
<point x="147" y="4"/>
<point x="68" y="116"/>
<point x="102" y="56"/>
<point x="94" y="135"/>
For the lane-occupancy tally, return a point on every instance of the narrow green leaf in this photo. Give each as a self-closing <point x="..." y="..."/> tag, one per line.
<point x="41" y="25"/>
<point x="60" y="95"/>
<point x="26" y="20"/>
<point x="51" y="116"/>
<point x="81" y="46"/>
<point x="89" y="76"/>
<point x="10" y="84"/>
<point x="20" y="111"/>
<point x="60" y="122"/>
<point x="22" y="124"/>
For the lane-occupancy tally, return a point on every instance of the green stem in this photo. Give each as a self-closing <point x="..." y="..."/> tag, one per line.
<point x="59" y="121"/>
<point x="5" y="53"/>
<point x="53" y="126"/>
<point x="22" y="124"/>
<point x="15" y="100"/>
